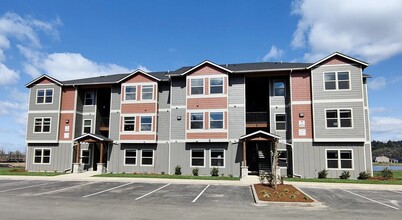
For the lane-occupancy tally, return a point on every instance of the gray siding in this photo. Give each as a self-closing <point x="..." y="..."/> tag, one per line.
<point x="357" y="120"/>
<point x="355" y="83"/>
<point x="366" y="118"/>
<point x="178" y="126"/>
<point x="272" y="121"/>
<point x="54" y="129"/>
<point x="114" y="129"/>
<point x="163" y="125"/>
<point x="237" y="122"/>
<point x="164" y="95"/>
<point x="115" y="97"/>
<point x="365" y="93"/>
<point x="116" y="159"/>
<point x="46" y="107"/>
<point x="78" y="125"/>
<point x="310" y="158"/>
<point x="236" y="89"/>
<point x="60" y="157"/>
<point x="178" y="91"/>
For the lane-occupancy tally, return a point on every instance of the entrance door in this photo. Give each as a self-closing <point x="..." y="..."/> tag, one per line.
<point x="86" y="158"/>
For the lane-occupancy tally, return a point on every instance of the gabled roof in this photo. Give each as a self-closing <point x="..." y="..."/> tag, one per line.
<point x="136" y="72"/>
<point x="187" y="70"/>
<point x="93" y="136"/>
<point x="341" y="55"/>
<point x="260" y="134"/>
<point x="44" y="76"/>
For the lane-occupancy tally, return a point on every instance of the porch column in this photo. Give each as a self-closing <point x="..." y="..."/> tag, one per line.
<point x="101" y="166"/>
<point x="101" y="153"/>
<point x="77" y="154"/>
<point x="244" y="167"/>
<point x="244" y="154"/>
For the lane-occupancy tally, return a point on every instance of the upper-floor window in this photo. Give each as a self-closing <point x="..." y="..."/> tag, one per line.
<point x="197" y="86"/>
<point x="216" y="86"/>
<point x="147" y="92"/>
<point x="87" y="126"/>
<point x="42" y="125"/>
<point x="336" y="80"/>
<point x="130" y="93"/>
<point x="197" y="120"/>
<point x="146" y="123"/>
<point x="216" y="120"/>
<point x="279" y="88"/>
<point x="129" y="124"/>
<point x="339" y="118"/>
<point x="42" y="156"/>
<point x="280" y="122"/>
<point x="339" y="159"/>
<point x="44" y="96"/>
<point x="89" y="98"/>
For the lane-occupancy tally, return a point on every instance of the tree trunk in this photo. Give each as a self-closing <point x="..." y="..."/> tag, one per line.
<point x="275" y="165"/>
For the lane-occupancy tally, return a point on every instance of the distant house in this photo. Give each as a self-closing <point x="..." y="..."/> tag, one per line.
<point x="382" y="159"/>
<point x="392" y="160"/>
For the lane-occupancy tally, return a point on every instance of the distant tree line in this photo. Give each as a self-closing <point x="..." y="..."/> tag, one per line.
<point x="391" y="149"/>
<point x="11" y="156"/>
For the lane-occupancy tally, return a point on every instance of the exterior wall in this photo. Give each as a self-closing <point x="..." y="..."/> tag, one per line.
<point x="45" y="137"/>
<point x="68" y="99"/>
<point x="60" y="157"/>
<point x="310" y="158"/>
<point x="54" y="106"/>
<point x="178" y="127"/>
<point x="66" y="129"/>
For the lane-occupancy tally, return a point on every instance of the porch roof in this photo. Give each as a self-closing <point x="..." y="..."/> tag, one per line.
<point x="93" y="138"/>
<point x="260" y="135"/>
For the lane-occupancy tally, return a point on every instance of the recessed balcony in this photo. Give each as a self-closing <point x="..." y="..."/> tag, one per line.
<point x="257" y="119"/>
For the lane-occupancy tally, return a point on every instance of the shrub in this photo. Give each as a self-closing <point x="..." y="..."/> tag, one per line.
<point x="215" y="172"/>
<point x="363" y="175"/>
<point x="345" y="175"/>
<point x="163" y="173"/>
<point x="177" y="170"/>
<point x="386" y="173"/>
<point x="195" y="171"/>
<point x="323" y="174"/>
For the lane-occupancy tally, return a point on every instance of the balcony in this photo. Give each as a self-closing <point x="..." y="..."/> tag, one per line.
<point x="257" y="119"/>
<point x="104" y="124"/>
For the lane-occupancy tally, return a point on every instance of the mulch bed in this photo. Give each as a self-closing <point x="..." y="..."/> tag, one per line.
<point x="283" y="193"/>
<point x="379" y="178"/>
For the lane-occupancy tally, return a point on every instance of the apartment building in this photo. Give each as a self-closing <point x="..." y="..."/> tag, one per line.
<point x="209" y="115"/>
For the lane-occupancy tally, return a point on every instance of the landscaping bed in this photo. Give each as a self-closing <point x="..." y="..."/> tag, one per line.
<point x="283" y="193"/>
<point x="23" y="172"/>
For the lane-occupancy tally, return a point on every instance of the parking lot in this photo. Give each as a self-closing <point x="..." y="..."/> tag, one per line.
<point x="40" y="199"/>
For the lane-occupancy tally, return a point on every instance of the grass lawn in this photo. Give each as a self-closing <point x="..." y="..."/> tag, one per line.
<point x="166" y="176"/>
<point x="22" y="172"/>
<point x="397" y="174"/>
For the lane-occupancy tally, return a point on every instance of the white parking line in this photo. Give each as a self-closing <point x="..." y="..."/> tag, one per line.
<point x="396" y="192"/>
<point x="370" y="199"/>
<point x="200" y="193"/>
<point x="63" y="189"/>
<point x="152" y="191"/>
<point x="106" y="190"/>
<point x="26" y="187"/>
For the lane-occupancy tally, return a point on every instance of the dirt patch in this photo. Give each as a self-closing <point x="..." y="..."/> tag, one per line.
<point x="17" y="171"/>
<point x="283" y="193"/>
<point x="380" y="178"/>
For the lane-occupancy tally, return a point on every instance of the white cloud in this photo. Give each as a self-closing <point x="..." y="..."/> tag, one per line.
<point x="273" y="53"/>
<point x="143" y="68"/>
<point x="369" y="29"/>
<point x="377" y="83"/>
<point x="386" y="128"/>
<point x="7" y="107"/>
<point x="8" y="76"/>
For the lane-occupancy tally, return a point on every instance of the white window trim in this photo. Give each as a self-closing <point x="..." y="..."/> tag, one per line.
<point x="136" y="85"/>
<point x="125" y="93"/>
<point x="39" y="132"/>
<point x="44" y="96"/>
<point x="339" y="118"/>
<point x="339" y="159"/>
<point x="191" y="157"/>
<point x="142" y="92"/>
<point x="203" y="121"/>
<point x="286" y="120"/>
<point x="203" y="87"/>
<point x="83" y="125"/>
<point x="135" y="121"/>
<point x="50" y="156"/>
<point x="224" y="157"/>
<point x="89" y="156"/>
<point x="153" y="158"/>
<point x="223" y="121"/>
<point x="223" y="85"/>
<point x="152" y="124"/>
<point x="136" y="158"/>
<point x="273" y="87"/>
<point x="93" y="97"/>
<point x="336" y="81"/>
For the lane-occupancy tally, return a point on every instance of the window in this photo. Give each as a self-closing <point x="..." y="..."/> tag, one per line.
<point x="89" y="98"/>
<point x="216" y="120"/>
<point x="336" y="80"/>
<point x="282" y="158"/>
<point x="339" y="159"/>
<point x="129" y="124"/>
<point x="146" y="123"/>
<point x="42" y="156"/>
<point x="280" y="122"/>
<point x="339" y="118"/>
<point x="130" y="157"/>
<point x="147" y="92"/>
<point x="217" y="158"/>
<point x="197" y="120"/>
<point x="85" y="156"/>
<point x="216" y="86"/>
<point x="42" y="125"/>
<point x="147" y="157"/>
<point x="87" y="127"/>
<point x="197" y="157"/>
<point x="279" y="88"/>
<point x="44" y="96"/>
<point x="197" y="86"/>
<point x="130" y="93"/>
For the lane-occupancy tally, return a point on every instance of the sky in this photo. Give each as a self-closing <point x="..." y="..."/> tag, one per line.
<point x="76" y="39"/>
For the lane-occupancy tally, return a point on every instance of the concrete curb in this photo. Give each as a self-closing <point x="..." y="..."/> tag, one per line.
<point x="258" y="202"/>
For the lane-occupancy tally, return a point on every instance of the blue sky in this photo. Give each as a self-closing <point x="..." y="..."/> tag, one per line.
<point x="73" y="39"/>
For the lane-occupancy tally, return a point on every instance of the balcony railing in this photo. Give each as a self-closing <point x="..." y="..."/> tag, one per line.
<point x="257" y="119"/>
